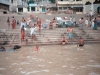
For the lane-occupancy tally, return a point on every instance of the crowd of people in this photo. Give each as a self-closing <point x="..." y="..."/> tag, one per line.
<point x="88" y="21"/>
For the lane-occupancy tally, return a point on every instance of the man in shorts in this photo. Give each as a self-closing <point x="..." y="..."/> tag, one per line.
<point x="70" y="31"/>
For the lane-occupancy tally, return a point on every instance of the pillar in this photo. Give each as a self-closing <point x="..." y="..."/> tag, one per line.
<point x="92" y="7"/>
<point x="30" y="9"/>
<point x="84" y="9"/>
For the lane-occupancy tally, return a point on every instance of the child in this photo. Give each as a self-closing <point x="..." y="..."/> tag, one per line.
<point x="37" y="48"/>
<point x="63" y="41"/>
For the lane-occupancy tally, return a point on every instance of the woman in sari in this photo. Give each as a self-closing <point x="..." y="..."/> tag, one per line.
<point x="22" y="33"/>
<point x="13" y="23"/>
<point x="95" y="24"/>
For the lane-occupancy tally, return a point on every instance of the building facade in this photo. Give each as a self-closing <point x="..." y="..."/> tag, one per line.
<point x="18" y="5"/>
<point x="39" y="6"/>
<point x="75" y="5"/>
<point x="4" y="6"/>
<point x="78" y="6"/>
<point x="92" y="5"/>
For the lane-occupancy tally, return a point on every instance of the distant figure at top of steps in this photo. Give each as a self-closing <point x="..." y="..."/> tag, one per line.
<point x="8" y="22"/>
<point x="95" y="24"/>
<point x="80" y="42"/>
<point x="81" y="23"/>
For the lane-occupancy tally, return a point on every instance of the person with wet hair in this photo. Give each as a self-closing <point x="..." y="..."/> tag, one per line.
<point x="80" y="42"/>
<point x="64" y="41"/>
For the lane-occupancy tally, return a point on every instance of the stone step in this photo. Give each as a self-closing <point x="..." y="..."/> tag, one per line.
<point x="49" y="43"/>
<point x="48" y="37"/>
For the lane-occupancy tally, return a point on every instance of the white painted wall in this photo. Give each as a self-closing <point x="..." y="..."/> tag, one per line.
<point x="24" y="10"/>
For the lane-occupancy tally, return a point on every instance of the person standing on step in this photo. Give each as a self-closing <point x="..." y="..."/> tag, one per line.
<point x="74" y="21"/>
<point x="13" y="23"/>
<point x="95" y="24"/>
<point x="39" y="25"/>
<point x="33" y="32"/>
<point x="86" y="22"/>
<point x="22" y="33"/>
<point x="92" y="23"/>
<point x="81" y="23"/>
<point x="70" y="31"/>
<point x="70" y="19"/>
<point x="8" y="22"/>
<point x="54" y="22"/>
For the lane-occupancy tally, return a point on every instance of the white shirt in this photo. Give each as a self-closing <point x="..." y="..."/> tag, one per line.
<point x="33" y="30"/>
<point x="23" y="24"/>
<point x="28" y="22"/>
<point x="86" y="21"/>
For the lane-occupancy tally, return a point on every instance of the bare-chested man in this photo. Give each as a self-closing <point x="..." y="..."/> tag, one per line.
<point x="64" y="41"/>
<point x="51" y="25"/>
<point x="70" y="31"/>
<point x="80" y="42"/>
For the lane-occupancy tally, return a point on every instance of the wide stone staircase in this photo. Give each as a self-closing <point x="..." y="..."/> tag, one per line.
<point x="49" y="36"/>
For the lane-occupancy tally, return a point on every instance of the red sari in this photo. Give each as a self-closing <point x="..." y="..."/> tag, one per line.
<point x="13" y="23"/>
<point x="22" y="34"/>
<point x="37" y="48"/>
